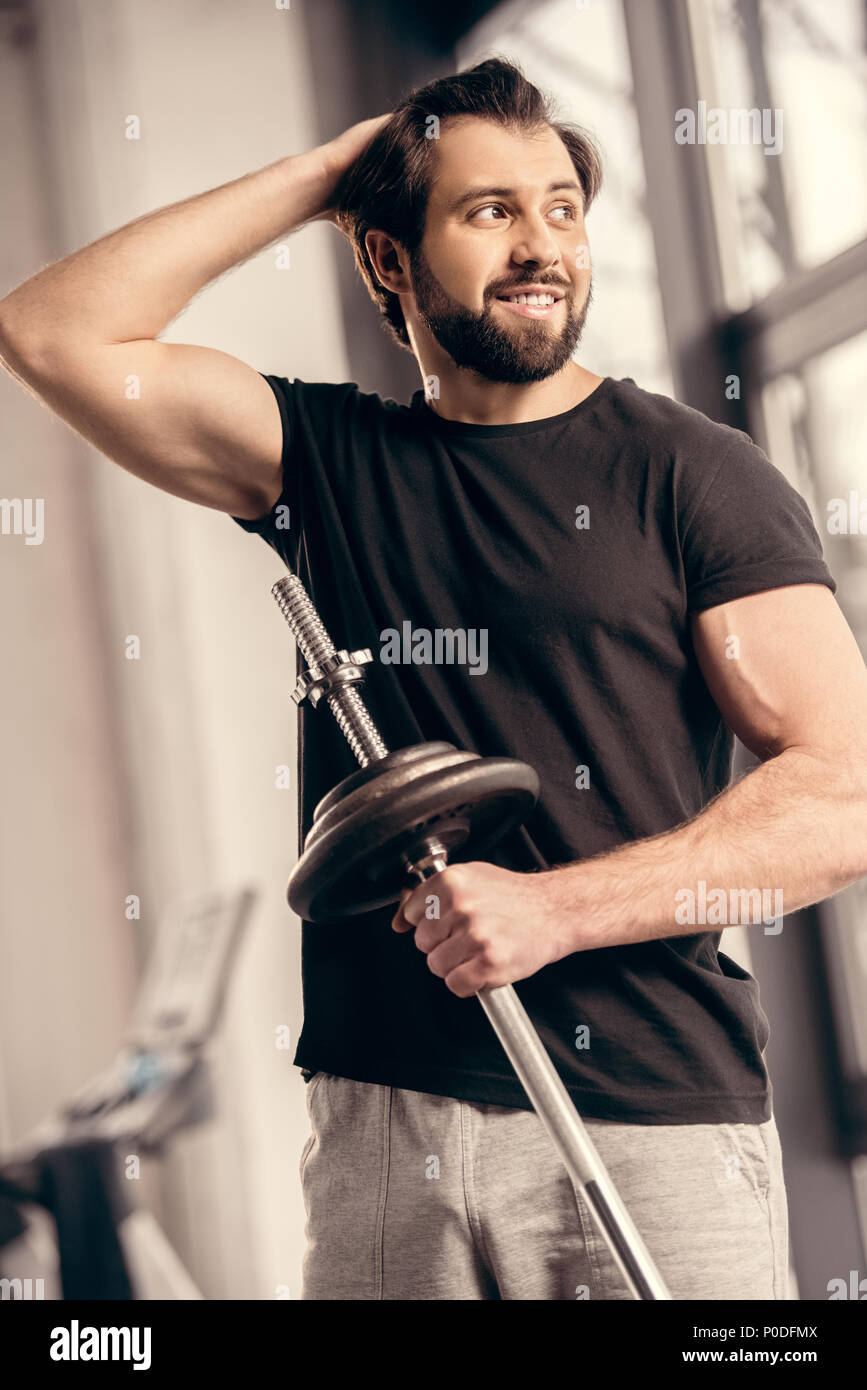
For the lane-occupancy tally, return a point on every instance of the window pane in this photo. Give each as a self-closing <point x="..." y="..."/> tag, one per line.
<point x="817" y="432"/>
<point x="808" y="203"/>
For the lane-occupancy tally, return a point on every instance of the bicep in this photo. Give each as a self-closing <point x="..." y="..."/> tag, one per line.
<point x="192" y="421"/>
<point x="785" y="671"/>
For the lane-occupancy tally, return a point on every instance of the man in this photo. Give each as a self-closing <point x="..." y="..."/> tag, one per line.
<point x="624" y="585"/>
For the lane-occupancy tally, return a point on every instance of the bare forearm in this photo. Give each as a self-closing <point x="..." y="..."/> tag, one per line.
<point x="795" y="827"/>
<point x="130" y="284"/>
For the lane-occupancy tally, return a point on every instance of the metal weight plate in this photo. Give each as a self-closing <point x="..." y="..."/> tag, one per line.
<point x="352" y="855"/>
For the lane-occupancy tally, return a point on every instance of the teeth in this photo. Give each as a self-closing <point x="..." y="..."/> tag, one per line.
<point x="539" y="299"/>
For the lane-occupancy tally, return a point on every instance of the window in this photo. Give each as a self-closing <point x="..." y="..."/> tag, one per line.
<point x="806" y="65"/>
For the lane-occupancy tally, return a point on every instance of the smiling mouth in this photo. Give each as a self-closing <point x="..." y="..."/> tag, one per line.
<point x="530" y="306"/>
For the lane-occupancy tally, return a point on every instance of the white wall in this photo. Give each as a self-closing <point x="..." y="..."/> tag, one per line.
<point x="64" y="857"/>
<point x="186" y="798"/>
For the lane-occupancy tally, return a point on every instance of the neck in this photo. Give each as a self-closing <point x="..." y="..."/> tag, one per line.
<point x="471" y="399"/>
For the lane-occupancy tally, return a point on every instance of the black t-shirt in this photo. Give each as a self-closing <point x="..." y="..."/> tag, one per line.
<point x="570" y="551"/>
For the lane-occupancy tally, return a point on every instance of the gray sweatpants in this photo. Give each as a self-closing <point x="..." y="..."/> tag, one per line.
<point x="412" y="1196"/>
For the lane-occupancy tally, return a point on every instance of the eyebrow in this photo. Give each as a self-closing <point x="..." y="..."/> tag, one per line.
<point x="473" y="193"/>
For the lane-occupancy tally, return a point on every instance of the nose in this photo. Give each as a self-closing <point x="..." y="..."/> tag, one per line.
<point x="535" y="244"/>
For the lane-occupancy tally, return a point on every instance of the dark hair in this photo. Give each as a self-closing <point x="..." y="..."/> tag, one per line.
<point x="387" y="186"/>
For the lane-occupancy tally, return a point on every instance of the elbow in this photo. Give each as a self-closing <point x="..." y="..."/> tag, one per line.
<point x="852" y="805"/>
<point x="11" y="334"/>
<point x="856" y="780"/>
<point x="22" y="349"/>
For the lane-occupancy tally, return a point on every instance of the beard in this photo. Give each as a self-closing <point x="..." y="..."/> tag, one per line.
<point x="529" y="350"/>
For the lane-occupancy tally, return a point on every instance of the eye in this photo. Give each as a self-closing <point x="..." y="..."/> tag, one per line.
<point x="489" y="207"/>
<point x="568" y="209"/>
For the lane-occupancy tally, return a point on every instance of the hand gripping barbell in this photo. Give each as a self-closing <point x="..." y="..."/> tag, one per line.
<point x="402" y="814"/>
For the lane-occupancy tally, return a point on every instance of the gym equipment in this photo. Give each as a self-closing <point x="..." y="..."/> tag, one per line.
<point x="406" y="813"/>
<point x="159" y="1084"/>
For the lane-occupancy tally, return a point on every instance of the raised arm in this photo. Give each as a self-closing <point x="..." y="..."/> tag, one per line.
<point x="201" y="424"/>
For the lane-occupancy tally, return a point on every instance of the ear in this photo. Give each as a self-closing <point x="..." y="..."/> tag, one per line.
<point x="389" y="261"/>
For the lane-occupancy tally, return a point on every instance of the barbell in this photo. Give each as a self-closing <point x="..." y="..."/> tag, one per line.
<point x="401" y="818"/>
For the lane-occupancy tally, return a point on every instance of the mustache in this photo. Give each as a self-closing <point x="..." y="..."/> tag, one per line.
<point x="497" y="290"/>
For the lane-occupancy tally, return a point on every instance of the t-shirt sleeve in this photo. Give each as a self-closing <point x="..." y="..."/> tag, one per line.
<point x="748" y="531"/>
<point x="322" y="422"/>
<point x="279" y="525"/>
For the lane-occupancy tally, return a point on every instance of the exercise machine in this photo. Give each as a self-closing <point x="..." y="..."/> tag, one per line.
<point x="68" y="1227"/>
